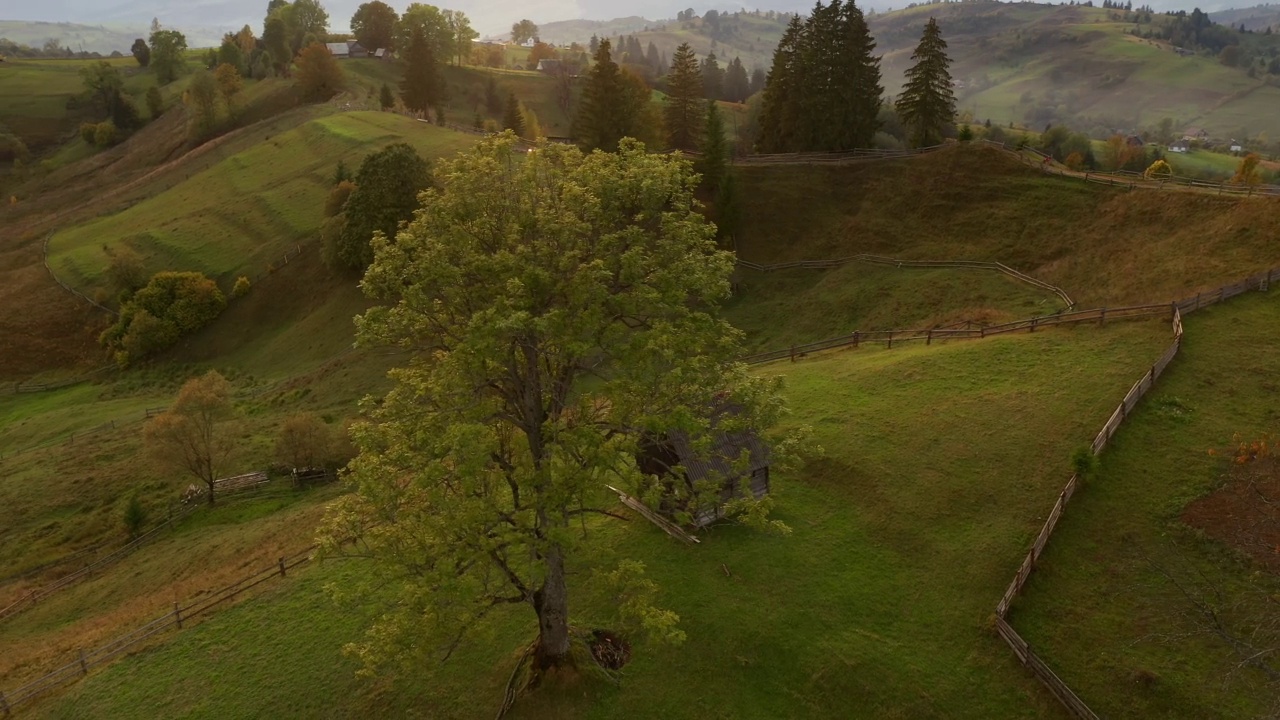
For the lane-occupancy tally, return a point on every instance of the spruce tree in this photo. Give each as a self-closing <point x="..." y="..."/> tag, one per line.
<point x="859" y="95"/>
<point x="778" y="113"/>
<point x="421" y="87"/>
<point x="385" y="98"/>
<point x="927" y="103"/>
<point x="715" y="151"/>
<point x="512" y="119"/>
<point x="737" y="86"/>
<point x="682" y="111"/>
<point x="615" y="104"/>
<point x="712" y="78"/>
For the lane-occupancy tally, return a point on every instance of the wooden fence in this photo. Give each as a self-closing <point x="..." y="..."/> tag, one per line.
<point x="928" y="335"/>
<point x="86" y="660"/>
<point x="879" y="260"/>
<point x="31" y="598"/>
<point x="1134" y="181"/>
<point x="1020" y="647"/>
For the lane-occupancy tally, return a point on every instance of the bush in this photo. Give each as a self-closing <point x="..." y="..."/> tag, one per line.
<point x="104" y="134"/>
<point x="1084" y="463"/>
<point x="337" y="199"/>
<point x="135" y="516"/>
<point x="241" y="288"/>
<point x="171" y="305"/>
<point x="125" y="270"/>
<point x="88" y="132"/>
<point x="155" y="103"/>
<point x="12" y="148"/>
<point x="966" y="133"/>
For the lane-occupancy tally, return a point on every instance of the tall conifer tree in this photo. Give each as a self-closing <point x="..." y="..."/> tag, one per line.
<point x="421" y="88"/>
<point x="928" y="103"/>
<point x="682" y="111"/>
<point x="781" y="93"/>
<point x="512" y="119"/>
<point x="615" y="104"/>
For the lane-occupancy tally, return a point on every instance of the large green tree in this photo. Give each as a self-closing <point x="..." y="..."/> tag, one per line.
<point x="615" y="105"/>
<point x="386" y="194"/>
<point x="168" y="54"/>
<point x="823" y="92"/>
<point x="715" y="149"/>
<point x="558" y="305"/>
<point x="275" y="40"/>
<point x="463" y="34"/>
<point x="434" y="26"/>
<point x="374" y="24"/>
<point x="422" y="87"/>
<point x="305" y="17"/>
<point x="523" y="32"/>
<point x="682" y="110"/>
<point x="928" y="103"/>
<point x="141" y="52"/>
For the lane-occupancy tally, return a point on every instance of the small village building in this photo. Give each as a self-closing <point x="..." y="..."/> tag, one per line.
<point x="339" y="50"/>
<point x="738" y="460"/>
<point x="549" y="66"/>
<point x="1236" y="147"/>
<point x="356" y="50"/>
<point x="1195" y="133"/>
<point x="1180" y="146"/>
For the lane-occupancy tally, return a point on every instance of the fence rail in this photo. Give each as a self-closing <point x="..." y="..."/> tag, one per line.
<point x="31" y="598"/>
<point x="85" y="660"/>
<point x="1140" y="388"/>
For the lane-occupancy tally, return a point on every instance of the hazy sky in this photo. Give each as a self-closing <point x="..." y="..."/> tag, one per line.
<point x="488" y="16"/>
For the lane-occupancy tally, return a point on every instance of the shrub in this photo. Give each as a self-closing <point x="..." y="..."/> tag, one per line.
<point x="171" y="305"/>
<point x="337" y="199"/>
<point x="155" y="102"/>
<point x="966" y="133"/>
<point x="241" y="288"/>
<point x="1075" y="161"/>
<point x="88" y="132"/>
<point x="104" y="134"/>
<point x="135" y="516"/>
<point x="1158" y="169"/>
<point x="125" y="270"/>
<point x="1084" y="463"/>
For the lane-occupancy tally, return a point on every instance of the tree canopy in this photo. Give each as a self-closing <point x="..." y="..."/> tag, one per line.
<point x="168" y="54"/>
<point x="319" y="75"/>
<point x="422" y="87"/>
<point x="823" y="92"/>
<point x="683" y="106"/>
<point x="523" y="31"/>
<point x="927" y="104"/>
<point x="386" y="194"/>
<point x="374" y="24"/>
<point x="141" y="52"/>
<point x="614" y="105"/>
<point x="560" y="306"/>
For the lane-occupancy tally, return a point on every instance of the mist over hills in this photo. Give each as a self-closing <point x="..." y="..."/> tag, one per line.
<point x="202" y="19"/>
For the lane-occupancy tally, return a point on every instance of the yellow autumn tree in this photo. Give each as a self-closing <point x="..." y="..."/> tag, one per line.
<point x="1158" y="170"/>
<point x="1248" y="172"/>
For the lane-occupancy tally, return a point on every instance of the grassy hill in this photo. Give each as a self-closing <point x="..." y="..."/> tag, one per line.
<point x="1103" y="246"/>
<point x="245" y="212"/>
<point x="902" y="541"/>
<point x="1076" y="65"/>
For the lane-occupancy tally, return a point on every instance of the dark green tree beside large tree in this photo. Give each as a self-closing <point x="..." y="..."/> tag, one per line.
<point x="615" y="105"/>
<point x="386" y="194"/>
<point x="823" y="92"/>
<point x="683" y="108"/>
<point x="422" y="88"/>
<point x="927" y="104"/>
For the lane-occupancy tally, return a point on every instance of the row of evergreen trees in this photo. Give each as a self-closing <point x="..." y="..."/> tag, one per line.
<point x="730" y="82"/>
<point x="823" y="92"/>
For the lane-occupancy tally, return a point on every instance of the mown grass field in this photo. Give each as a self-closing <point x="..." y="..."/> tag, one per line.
<point x="875" y="605"/>
<point x="241" y="216"/>
<point x="790" y="307"/>
<point x="1100" y="607"/>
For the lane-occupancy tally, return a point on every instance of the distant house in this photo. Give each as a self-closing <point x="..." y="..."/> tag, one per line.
<point x="1183" y="52"/>
<point x="1134" y="141"/>
<point x="1195" y="133"/>
<point x="339" y="50"/>
<point x="356" y="50"/>
<point x="1180" y="146"/>
<point x="722" y="461"/>
<point x="1236" y="147"/>
<point x="549" y="66"/>
<point x="383" y="54"/>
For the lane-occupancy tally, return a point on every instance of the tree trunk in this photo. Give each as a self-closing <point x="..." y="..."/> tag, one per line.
<point x="551" y="602"/>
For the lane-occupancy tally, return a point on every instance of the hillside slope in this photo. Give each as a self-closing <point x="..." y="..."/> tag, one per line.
<point x="1103" y="246"/>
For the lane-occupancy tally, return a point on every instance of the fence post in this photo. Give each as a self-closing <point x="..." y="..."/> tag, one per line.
<point x="890" y="339"/>
<point x="177" y="614"/>
<point x="281" y="567"/>
<point x="84" y="666"/>
<point x="1197" y="301"/>
<point x="1102" y="317"/>
<point x="1033" y="324"/>
<point x="793" y="353"/>
<point x="928" y="339"/>
<point x="4" y="705"/>
<point x="855" y="339"/>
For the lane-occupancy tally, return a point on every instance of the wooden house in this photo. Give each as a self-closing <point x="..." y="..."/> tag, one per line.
<point x="722" y="461"/>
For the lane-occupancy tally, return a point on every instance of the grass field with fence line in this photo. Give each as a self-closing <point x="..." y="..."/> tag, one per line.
<point x="940" y="462"/>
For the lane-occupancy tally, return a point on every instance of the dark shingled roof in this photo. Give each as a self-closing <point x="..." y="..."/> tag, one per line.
<point x="725" y="451"/>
